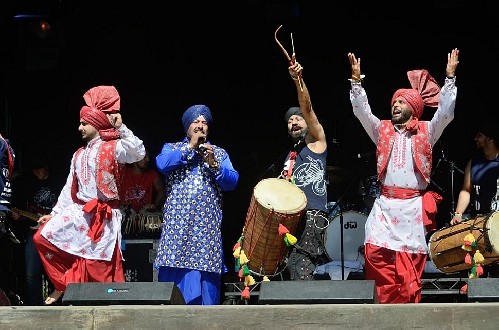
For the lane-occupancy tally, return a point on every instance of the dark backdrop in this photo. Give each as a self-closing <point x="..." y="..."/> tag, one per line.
<point x="165" y="56"/>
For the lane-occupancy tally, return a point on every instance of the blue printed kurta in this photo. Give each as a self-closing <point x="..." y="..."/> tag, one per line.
<point x="192" y="215"/>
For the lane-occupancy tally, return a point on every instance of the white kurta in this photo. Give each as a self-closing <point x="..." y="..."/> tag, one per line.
<point x="69" y="225"/>
<point x="397" y="224"/>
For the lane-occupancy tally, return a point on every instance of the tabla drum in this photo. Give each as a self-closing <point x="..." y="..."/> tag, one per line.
<point x="142" y="223"/>
<point x="353" y="236"/>
<point x="445" y="244"/>
<point x="274" y="201"/>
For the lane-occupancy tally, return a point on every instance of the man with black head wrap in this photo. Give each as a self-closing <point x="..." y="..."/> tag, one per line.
<point x="305" y="166"/>
<point x="196" y="172"/>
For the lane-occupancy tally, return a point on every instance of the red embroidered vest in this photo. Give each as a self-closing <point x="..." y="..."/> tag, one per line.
<point x="421" y="147"/>
<point x="108" y="171"/>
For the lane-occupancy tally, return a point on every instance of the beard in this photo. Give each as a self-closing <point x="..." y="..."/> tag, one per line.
<point x="403" y="118"/>
<point x="299" y="135"/>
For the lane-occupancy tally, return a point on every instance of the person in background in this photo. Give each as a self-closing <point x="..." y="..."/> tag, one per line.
<point x="305" y="166"/>
<point x="142" y="187"/>
<point x="396" y="228"/>
<point x="190" y="251"/>
<point x="79" y="241"/>
<point x="34" y="193"/>
<point x="479" y="191"/>
<point x="7" y="237"/>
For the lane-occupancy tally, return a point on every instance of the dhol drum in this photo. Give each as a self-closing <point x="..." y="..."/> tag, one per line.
<point x="274" y="201"/>
<point x="445" y="244"/>
<point x="370" y="189"/>
<point x="353" y="236"/>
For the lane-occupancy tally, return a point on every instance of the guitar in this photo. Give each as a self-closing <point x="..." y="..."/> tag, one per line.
<point x="29" y="215"/>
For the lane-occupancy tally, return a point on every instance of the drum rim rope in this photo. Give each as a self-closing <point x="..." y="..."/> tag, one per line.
<point x="266" y="254"/>
<point x="470" y="229"/>
<point x="266" y="238"/>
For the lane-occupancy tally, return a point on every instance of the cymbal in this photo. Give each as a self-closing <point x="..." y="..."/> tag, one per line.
<point x="338" y="174"/>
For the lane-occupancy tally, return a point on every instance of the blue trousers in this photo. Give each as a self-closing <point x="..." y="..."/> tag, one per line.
<point x="34" y="271"/>
<point x="197" y="287"/>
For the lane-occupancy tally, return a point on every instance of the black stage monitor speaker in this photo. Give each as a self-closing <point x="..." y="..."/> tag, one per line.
<point x="317" y="292"/>
<point x="127" y="293"/>
<point x="483" y="289"/>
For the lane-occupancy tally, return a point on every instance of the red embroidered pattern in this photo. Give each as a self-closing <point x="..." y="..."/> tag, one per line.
<point x="85" y="171"/>
<point x="399" y="151"/>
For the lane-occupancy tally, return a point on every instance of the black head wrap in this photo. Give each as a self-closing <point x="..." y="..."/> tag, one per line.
<point x="490" y="130"/>
<point x="292" y="111"/>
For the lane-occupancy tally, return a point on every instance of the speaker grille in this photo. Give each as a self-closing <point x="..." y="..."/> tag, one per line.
<point x="127" y="293"/>
<point x="317" y="292"/>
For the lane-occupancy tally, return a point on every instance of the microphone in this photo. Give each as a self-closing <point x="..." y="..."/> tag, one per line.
<point x="201" y="141"/>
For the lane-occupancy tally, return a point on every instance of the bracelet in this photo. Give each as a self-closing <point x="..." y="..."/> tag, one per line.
<point x="356" y="79"/>
<point x="215" y="165"/>
<point x="457" y="214"/>
<point x="295" y="77"/>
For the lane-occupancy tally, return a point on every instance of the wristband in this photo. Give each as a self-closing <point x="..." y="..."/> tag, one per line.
<point x="356" y="79"/>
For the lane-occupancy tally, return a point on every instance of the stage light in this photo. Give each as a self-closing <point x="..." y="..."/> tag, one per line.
<point x="41" y="28"/>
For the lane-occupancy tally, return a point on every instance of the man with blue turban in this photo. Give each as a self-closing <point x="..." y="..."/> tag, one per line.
<point x="190" y="251"/>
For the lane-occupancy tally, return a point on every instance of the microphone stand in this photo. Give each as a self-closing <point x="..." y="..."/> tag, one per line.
<point x="337" y="205"/>
<point x="452" y="169"/>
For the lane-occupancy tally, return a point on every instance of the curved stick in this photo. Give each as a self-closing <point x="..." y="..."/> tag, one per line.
<point x="286" y="53"/>
<point x="280" y="45"/>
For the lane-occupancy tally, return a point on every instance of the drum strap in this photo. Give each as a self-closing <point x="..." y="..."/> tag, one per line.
<point x="292" y="159"/>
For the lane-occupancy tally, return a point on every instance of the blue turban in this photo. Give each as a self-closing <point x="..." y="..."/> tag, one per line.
<point x="193" y="112"/>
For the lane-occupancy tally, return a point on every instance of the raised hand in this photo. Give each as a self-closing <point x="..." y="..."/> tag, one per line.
<point x="355" y="65"/>
<point x="295" y="69"/>
<point x="452" y="62"/>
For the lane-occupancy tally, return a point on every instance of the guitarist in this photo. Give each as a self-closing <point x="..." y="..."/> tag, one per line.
<point x="34" y="193"/>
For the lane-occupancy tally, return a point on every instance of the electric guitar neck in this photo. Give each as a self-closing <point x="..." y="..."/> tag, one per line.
<point x="26" y="214"/>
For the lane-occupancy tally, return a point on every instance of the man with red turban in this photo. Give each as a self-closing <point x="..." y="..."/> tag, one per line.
<point x="396" y="228"/>
<point x="79" y="241"/>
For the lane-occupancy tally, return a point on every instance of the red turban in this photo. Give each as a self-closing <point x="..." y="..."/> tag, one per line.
<point x="424" y="91"/>
<point x="101" y="100"/>
<point x="94" y="117"/>
<point x="104" y="98"/>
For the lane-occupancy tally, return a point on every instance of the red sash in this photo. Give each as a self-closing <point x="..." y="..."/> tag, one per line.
<point x="430" y="201"/>
<point x="100" y="211"/>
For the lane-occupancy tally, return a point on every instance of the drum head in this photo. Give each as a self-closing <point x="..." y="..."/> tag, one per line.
<point x="280" y="195"/>
<point x="353" y="236"/>
<point x="493" y="227"/>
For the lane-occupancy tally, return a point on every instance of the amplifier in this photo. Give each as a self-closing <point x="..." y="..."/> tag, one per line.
<point x="139" y="255"/>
